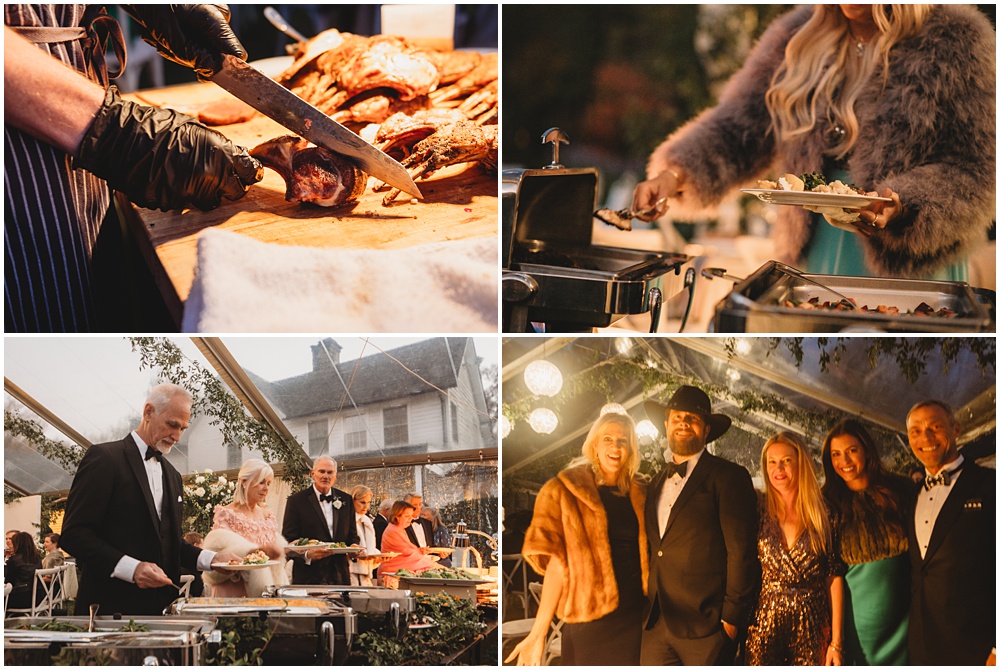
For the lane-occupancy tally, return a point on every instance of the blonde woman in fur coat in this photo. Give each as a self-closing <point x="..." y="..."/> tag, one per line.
<point x="587" y="537"/>
<point x="244" y="526"/>
<point x="896" y="99"/>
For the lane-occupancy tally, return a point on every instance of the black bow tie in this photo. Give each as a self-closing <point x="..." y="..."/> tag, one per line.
<point x="679" y="468"/>
<point x="326" y="497"/>
<point x="153" y="453"/>
<point x="942" y="477"/>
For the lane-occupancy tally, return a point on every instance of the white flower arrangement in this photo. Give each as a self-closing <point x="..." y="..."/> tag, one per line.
<point x="199" y="480"/>
<point x="200" y="492"/>
<point x="205" y="491"/>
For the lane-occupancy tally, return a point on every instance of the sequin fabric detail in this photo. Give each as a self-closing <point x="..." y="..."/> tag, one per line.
<point x="792" y="622"/>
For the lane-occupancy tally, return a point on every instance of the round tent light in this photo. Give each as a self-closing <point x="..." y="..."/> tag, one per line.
<point x="646" y="431"/>
<point x="504" y="427"/>
<point x="543" y="420"/>
<point x="543" y="378"/>
<point x="733" y="374"/>
<point x="742" y="346"/>
<point x="613" y="407"/>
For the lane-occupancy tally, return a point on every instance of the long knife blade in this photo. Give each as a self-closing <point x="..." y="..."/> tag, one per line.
<point x="275" y="101"/>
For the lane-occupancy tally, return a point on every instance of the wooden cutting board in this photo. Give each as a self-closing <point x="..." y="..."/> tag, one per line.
<point x="460" y="202"/>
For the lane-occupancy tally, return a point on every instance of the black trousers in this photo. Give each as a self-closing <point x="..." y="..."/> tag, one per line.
<point x="661" y="647"/>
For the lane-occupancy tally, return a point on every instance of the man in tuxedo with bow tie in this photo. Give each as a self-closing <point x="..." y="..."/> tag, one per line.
<point x="323" y="513"/>
<point x="123" y="515"/>
<point x="952" y="541"/>
<point x="701" y="521"/>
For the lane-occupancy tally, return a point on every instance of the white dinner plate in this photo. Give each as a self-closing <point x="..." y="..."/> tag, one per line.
<point x="812" y="199"/>
<point x="307" y="547"/>
<point x="254" y="566"/>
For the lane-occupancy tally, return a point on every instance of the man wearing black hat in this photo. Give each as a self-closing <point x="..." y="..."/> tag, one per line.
<point x="701" y="521"/>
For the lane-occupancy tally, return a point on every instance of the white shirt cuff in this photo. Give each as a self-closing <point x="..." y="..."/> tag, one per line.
<point x="125" y="569"/>
<point x="205" y="560"/>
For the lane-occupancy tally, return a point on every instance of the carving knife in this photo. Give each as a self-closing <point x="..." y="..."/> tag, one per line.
<point x="276" y="102"/>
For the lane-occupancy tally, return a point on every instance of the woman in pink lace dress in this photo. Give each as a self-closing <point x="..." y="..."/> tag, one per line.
<point x="244" y="526"/>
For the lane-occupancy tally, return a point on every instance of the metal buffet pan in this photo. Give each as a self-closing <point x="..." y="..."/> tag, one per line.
<point x="554" y="275"/>
<point x="389" y="609"/>
<point x="755" y="304"/>
<point x="304" y="631"/>
<point x="175" y="640"/>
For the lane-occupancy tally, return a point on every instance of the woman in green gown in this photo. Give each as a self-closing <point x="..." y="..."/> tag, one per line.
<point x="868" y="505"/>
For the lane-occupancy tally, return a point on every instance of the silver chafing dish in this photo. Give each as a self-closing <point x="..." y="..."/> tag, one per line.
<point x="176" y="640"/>
<point x="755" y="305"/>
<point x="553" y="274"/>
<point x="391" y="607"/>
<point x="304" y="631"/>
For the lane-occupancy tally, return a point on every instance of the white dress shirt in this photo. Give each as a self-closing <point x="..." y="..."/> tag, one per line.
<point x="125" y="568"/>
<point x="671" y="490"/>
<point x="929" y="504"/>
<point x="325" y="506"/>
<point x="418" y="532"/>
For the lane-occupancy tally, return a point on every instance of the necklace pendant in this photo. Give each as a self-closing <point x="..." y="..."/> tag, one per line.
<point x="861" y="49"/>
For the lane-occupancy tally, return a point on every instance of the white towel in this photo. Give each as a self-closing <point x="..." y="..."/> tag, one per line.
<point x="242" y="285"/>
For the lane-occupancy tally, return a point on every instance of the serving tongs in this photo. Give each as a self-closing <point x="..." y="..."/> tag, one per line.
<point x="622" y="218"/>
<point x="712" y="273"/>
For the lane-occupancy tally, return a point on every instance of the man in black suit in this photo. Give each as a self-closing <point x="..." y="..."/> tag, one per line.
<point x="324" y="513"/>
<point x="420" y="531"/>
<point x="952" y="538"/>
<point x="381" y="520"/>
<point x="701" y="521"/>
<point x="123" y="515"/>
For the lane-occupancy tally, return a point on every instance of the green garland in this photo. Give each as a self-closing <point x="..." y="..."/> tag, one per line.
<point x="213" y="399"/>
<point x="68" y="456"/>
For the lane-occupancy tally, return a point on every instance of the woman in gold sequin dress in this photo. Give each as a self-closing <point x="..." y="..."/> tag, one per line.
<point x="868" y="505"/>
<point x="799" y="616"/>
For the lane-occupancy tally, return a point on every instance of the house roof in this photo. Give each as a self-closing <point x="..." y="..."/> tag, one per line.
<point x="378" y="378"/>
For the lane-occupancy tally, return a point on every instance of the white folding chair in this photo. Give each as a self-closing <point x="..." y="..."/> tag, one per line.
<point x="51" y="590"/>
<point x="509" y="575"/>
<point x="553" y="643"/>
<point x="7" y="588"/>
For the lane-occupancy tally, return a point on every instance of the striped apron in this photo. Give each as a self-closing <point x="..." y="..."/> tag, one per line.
<point x="52" y="212"/>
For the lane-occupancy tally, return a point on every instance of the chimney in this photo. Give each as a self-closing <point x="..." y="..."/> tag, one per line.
<point x="323" y="352"/>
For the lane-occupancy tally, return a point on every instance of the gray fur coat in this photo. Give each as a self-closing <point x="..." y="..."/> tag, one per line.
<point x="930" y="135"/>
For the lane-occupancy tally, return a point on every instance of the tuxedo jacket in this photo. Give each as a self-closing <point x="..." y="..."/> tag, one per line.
<point x="704" y="568"/>
<point x="380" y="524"/>
<point x="428" y="532"/>
<point x="304" y="518"/>
<point x="953" y="606"/>
<point x="110" y="514"/>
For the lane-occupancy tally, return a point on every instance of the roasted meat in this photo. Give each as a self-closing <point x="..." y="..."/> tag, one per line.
<point x="389" y="62"/>
<point x="312" y="174"/>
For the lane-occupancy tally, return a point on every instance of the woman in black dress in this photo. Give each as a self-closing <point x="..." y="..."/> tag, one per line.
<point x="20" y="570"/>
<point x="587" y="538"/>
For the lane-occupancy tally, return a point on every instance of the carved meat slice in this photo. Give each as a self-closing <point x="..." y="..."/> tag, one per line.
<point x="398" y="133"/>
<point x="312" y="174"/>
<point x="389" y="62"/>
<point x="375" y="107"/>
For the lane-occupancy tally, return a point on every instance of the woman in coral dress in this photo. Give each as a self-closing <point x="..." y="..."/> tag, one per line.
<point x="394" y="540"/>
<point x="245" y="526"/>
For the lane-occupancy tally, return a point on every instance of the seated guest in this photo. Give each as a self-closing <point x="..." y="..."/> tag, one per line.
<point x="20" y="570"/>
<point x="441" y="536"/>
<point x="245" y="526"/>
<point x="53" y="554"/>
<point x="395" y="540"/>
<point x="381" y="520"/>
<point x="799" y="615"/>
<point x="197" y="585"/>
<point x="869" y="504"/>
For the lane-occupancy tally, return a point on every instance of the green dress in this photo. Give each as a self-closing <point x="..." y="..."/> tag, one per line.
<point x="877" y="583"/>
<point x="834" y="251"/>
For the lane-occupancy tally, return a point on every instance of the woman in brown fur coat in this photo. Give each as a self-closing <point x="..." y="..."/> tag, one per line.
<point x="587" y="538"/>
<point x="897" y="99"/>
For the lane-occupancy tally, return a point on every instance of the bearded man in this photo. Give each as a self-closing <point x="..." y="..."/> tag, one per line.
<point x="123" y="515"/>
<point x="701" y="521"/>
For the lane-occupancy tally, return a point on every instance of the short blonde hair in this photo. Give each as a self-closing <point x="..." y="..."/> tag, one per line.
<point x="253" y="472"/>
<point x="360" y="491"/>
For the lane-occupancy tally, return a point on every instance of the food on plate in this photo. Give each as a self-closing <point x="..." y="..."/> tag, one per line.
<point x="923" y="309"/>
<point x="253" y="558"/>
<point x="226" y="112"/>
<point x="813" y="182"/>
<point x="311" y="174"/>
<point x="305" y="542"/>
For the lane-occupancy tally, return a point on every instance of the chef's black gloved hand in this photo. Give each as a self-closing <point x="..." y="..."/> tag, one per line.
<point x="162" y="159"/>
<point x="193" y="35"/>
